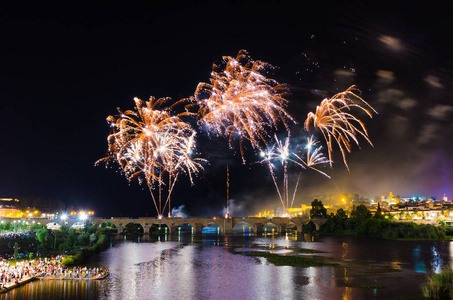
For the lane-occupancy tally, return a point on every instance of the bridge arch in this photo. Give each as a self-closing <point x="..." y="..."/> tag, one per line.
<point x="270" y="228"/>
<point x="78" y="225"/>
<point x="212" y="228"/>
<point x="185" y="228"/>
<point x="243" y="227"/>
<point x="108" y="226"/>
<point x="158" y="228"/>
<point x="133" y="227"/>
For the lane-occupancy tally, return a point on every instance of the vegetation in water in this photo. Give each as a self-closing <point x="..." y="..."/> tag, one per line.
<point x="291" y="260"/>
<point x="439" y="286"/>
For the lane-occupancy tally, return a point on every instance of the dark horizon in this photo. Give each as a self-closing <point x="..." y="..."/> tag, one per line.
<point x="66" y="69"/>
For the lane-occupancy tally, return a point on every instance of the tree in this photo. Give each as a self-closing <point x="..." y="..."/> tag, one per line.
<point x="83" y="239"/>
<point x="340" y="218"/>
<point x="64" y="229"/>
<point x="378" y="214"/>
<point x="360" y="213"/>
<point x="16" y="250"/>
<point x="91" y="229"/>
<point x="62" y="247"/>
<point x="70" y="239"/>
<point x="42" y="235"/>
<point x="317" y="209"/>
<point x="93" y="238"/>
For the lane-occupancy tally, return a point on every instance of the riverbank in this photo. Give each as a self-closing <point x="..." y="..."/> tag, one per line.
<point x="13" y="275"/>
<point x="10" y="286"/>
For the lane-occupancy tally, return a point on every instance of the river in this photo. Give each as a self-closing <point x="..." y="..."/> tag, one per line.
<point x="213" y="267"/>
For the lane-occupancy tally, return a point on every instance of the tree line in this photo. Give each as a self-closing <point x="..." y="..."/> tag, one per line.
<point x="77" y="245"/>
<point x="361" y="222"/>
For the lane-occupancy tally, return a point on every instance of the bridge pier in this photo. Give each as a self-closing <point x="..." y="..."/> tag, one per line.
<point x="227" y="226"/>
<point x="258" y="228"/>
<point x="281" y="229"/>
<point x="317" y="226"/>
<point x="318" y="222"/>
<point x="197" y="228"/>
<point x="300" y="228"/>
<point x="120" y="229"/>
<point x="146" y="228"/>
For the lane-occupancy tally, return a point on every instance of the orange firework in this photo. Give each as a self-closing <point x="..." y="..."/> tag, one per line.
<point x="150" y="143"/>
<point x="240" y="101"/>
<point x="337" y="124"/>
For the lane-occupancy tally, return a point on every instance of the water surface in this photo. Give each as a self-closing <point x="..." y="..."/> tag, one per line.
<point x="214" y="267"/>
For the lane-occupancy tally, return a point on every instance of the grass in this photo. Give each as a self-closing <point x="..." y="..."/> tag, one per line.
<point x="307" y="251"/>
<point x="14" y="261"/>
<point x="291" y="260"/>
<point x="439" y="285"/>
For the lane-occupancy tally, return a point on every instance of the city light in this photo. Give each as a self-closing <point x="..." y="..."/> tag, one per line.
<point x="64" y="216"/>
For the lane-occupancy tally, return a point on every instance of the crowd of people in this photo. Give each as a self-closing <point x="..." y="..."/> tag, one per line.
<point x="12" y="235"/>
<point x="26" y="240"/>
<point x="46" y="268"/>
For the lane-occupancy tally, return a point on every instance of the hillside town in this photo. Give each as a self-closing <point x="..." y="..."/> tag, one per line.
<point x="391" y="206"/>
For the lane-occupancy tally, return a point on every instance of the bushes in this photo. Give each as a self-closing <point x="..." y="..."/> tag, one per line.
<point x="68" y="260"/>
<point x="83" y="254"/>
<point x="75" y="244"/>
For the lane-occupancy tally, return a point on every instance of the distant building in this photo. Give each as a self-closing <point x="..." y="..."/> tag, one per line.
<point x="8" y="208"/>
<point x="290" y="212"/>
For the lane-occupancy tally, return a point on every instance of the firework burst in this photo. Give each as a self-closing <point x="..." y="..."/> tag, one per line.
<point x="240" y="102"/>
<point x="280" y="152"/>
<point x="334" y="119"/>
<point x="152" y="145"/>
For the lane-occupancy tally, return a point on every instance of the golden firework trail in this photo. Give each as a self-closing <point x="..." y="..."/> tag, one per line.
<point x="338" y="125"/>
<point x="151" y="144"/>
<point x="240" y="102"/>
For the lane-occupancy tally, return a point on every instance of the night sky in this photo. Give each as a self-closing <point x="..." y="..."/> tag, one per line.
<point x="66" y="68"/>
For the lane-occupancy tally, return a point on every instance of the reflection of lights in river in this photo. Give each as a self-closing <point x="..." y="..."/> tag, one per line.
<point x="345" y="250"/>
<point x="347" y="290"/>
<point x="419" y="266"/>
<point x="285" y="281"/>
<point x="437" y="261"/>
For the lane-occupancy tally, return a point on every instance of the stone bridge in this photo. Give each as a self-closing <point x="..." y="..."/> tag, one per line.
<point x="226" y="224"/>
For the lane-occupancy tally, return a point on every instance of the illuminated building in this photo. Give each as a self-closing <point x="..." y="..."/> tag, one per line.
<point x="7" y="208"/>
<point x="304" y="210"/>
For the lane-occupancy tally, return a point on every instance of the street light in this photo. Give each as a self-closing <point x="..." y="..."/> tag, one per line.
<point x="83" y="216"/>
<point x="64" y="216"/>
